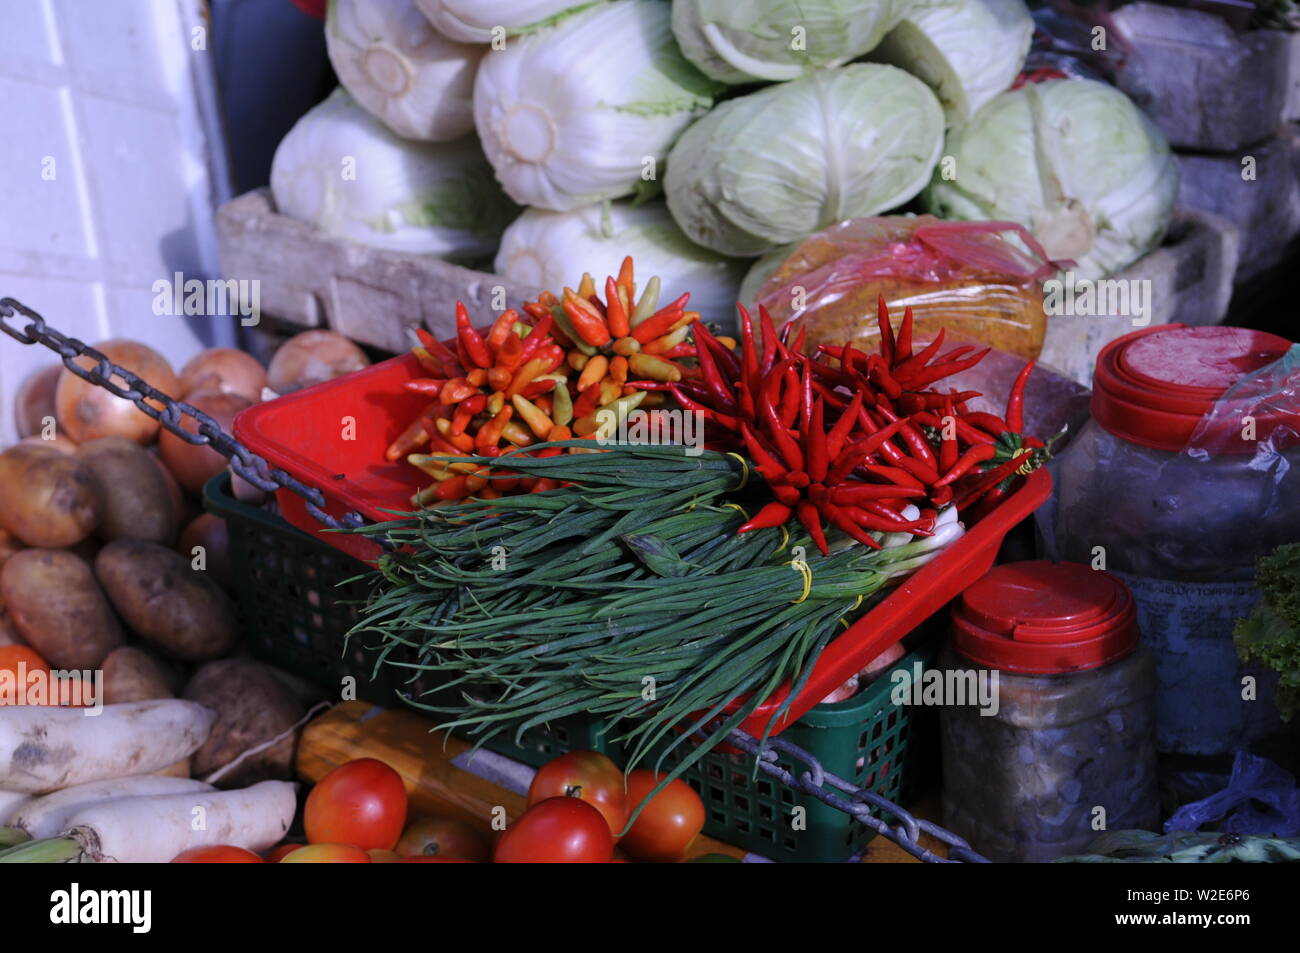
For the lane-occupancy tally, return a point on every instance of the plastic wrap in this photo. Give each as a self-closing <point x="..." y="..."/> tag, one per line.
<point x="965" y="277"/>
<point x="1184" y="531"/>
<point x="1260" y="798"/>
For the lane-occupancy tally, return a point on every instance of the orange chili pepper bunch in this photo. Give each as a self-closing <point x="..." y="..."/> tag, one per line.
<point x="491" y="395"/>
<point x="542" y="377"/>
<point x="612" y="340"/>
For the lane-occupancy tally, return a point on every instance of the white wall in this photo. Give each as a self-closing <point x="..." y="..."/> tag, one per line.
<point x="111" y="164"/>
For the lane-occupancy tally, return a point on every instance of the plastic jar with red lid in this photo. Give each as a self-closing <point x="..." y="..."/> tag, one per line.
<point x="1053" y="742"/>
<point x="1188" y="471"/>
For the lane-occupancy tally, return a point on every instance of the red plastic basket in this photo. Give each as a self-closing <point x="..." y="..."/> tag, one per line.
<point x="333" y="436"/>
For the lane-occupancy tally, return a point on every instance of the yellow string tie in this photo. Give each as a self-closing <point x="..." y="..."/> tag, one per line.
<point x="738" y="508"/>
<point x="803" y="569"/>
<point x="744" y="470"/>
<point x="845" y="622"/>
<point x="785" y="538"/>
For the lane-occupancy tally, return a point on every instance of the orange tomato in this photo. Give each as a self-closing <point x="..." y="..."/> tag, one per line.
<point x="326" y="854"/>
<point x="667" y="825"/>
<point x="280" y="851"/>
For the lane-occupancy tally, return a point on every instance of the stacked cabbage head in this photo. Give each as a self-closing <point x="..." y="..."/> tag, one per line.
<point x="776" y="165"/>
<point x="344" y="171"/>
<point x="586" y="110"/>
<point x="544" y="250"/>
<point x="1075" y="162"/>
<point x="746" y="41"/>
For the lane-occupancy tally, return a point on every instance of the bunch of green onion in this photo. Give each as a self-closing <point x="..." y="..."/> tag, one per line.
<point x="627" y="595"/>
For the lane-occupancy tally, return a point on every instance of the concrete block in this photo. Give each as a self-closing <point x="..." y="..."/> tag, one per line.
<point x="1188" y="280"/>
<point x="1206" y="86"/>
<point x="1257" y="189"/>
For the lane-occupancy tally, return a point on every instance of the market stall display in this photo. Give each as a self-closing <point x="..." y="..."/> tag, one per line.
<point x="642" y="562"/>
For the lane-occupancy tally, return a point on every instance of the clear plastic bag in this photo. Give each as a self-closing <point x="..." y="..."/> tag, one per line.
<point x="965" y="277"/>
<point x="1260" y="798"/>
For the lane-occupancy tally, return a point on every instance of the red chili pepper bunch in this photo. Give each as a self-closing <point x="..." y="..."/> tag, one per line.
<point x="850" y="444"/>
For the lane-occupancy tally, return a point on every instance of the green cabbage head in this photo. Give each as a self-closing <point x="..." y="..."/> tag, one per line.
<point x="776" y="165"/>
<point x="746" y="41"/>
<point x="1072" y="160"/>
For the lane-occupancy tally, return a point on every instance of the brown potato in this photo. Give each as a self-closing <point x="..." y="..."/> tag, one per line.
<point x="8" y="631"/>
<point x="47" y="498"/>
<point x="8" y="546"/>
<point x="209" y="531"/>
<point x="133" y="675"/>
<point x="59" y="609"/>
<point x="252" y="707"/>
<point x="181" y="613"/>
<point x="137" y="502"/>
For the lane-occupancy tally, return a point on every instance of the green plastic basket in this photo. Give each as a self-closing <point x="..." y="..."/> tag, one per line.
<point x="298" y="597"/>
<point x="867" y="739"/>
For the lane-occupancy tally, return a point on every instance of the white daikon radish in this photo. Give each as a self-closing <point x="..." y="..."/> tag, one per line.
<point x="10" y="803"/>
<point x="49" y="815"/>
<point x="153" y="830"/>
<point x="45" y="749"/>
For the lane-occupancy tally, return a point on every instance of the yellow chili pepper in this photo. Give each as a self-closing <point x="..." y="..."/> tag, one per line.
<point x="626" y="347"/>
<point x="654" y="368"/>
<point x="532" y="415"/>
<point x="594" y="372"/>
<point x="649" y="302"/>
<point x="561" y="405"/>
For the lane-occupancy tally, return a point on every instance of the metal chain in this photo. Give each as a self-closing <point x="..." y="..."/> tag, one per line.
<point x="243" y="462"/>
<point x="815" y="780"/>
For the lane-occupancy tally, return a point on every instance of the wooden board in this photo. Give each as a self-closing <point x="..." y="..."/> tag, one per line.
<point x="431" y="764"/>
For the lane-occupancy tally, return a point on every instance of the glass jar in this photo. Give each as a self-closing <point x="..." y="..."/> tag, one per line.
<point x="1186" y="474"/>
<point x="1066" y="749"/>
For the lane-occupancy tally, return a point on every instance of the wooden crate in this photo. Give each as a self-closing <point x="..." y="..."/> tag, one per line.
<point x="372" y="295"/>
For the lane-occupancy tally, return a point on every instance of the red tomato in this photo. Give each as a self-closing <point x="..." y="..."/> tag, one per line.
<point x="667" y="825"/>
<point x="444" y="837"/>
<point x="588" y="776"/>
<point x="362" y="803"/>
<point x="278" y="853"/>
<point x="216" y="855"/>
<point x="326" y="854"/>
<point x="559" y="830"/>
